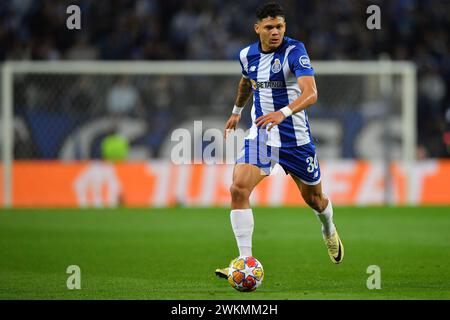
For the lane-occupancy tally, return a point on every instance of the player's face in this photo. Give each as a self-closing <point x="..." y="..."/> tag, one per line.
<point x="271" y="32"/>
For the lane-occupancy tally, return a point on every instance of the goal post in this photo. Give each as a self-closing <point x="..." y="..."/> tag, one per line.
<point x="390" y="75"/>
<point x="7" y="132"/>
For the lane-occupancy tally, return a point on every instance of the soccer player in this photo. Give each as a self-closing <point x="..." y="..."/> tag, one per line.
<point x="277" y="71"/>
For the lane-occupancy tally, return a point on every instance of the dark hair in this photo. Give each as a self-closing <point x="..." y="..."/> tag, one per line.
<point x="270" y="9"/>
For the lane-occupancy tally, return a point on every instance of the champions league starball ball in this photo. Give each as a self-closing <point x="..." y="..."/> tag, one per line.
<point x="245" y="273"/>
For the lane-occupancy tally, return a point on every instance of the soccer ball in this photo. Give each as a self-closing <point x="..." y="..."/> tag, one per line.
<point x="245" y="273"/>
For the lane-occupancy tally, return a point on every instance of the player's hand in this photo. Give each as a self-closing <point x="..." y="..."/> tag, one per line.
<point x="272" y="118"/>
<point x="231" y="124"/>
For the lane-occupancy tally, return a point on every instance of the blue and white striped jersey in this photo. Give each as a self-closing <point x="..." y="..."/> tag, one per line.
<point x="274" y="81"/>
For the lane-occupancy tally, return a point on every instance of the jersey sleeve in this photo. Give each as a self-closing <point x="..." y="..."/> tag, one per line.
<point x="244" y="64"/>
<point x="299" y="62"/>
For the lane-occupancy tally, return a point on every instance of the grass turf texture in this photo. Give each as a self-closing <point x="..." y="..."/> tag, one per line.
<point x="172" y="253"/>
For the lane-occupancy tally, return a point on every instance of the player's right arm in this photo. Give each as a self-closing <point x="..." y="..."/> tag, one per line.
<point x="243" y="95"/>
<point x="244" y="92"/>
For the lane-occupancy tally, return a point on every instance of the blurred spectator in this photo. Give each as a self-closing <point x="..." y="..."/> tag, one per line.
<point x="81" y="98"/>
<point x="82" y="50"/>
<point x="123" y="98"/>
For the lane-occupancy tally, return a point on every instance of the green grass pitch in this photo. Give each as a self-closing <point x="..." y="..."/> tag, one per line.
<point x="172" y="253"/>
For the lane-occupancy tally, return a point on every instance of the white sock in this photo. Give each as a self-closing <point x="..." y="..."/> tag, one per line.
<point x="242" y="223"/>
<point x="326" y="218"/>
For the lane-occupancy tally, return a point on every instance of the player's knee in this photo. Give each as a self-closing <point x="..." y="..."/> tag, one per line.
<point x="239" y="192"/>
<point x="315" y="201"/>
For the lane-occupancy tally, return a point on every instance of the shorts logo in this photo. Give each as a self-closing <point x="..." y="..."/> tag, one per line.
<point x="304" y="62"/>
<point x="276" y="66"/>
<point x="252" y="68"/>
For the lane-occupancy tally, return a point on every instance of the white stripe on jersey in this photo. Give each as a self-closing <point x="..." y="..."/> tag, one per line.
<point x="266" y="97"/>
<point x="253" y="133"/>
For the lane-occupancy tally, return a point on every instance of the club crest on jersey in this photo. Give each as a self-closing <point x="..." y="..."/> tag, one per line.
<point x="304" y="62"/>
<point x="276" y="66"/>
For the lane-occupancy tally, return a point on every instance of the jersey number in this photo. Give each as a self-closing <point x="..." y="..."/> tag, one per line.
<point x="312" y="163"/>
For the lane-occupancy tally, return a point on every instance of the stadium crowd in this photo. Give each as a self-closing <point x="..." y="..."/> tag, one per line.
<point x="216" y="29"/>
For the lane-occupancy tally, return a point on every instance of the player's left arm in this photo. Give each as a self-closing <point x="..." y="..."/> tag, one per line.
<point x="308" y="97"/>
